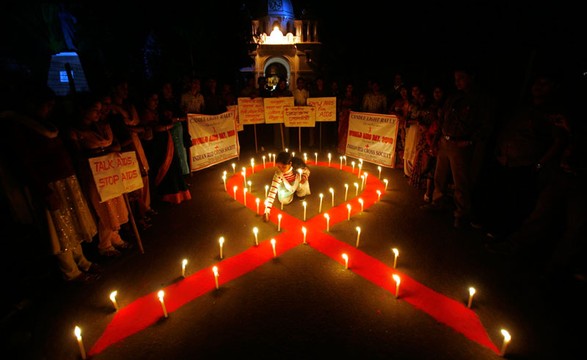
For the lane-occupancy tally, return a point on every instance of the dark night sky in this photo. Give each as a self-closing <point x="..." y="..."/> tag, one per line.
<point x="368" y="39"/>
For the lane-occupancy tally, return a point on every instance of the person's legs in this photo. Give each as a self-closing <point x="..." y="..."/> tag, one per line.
<point x="67" y="265"/>
<point x="80" y="259"/>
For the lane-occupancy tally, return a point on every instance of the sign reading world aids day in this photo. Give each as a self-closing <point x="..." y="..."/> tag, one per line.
<point x="372" y="137"/>
<point x="116" y="174"/>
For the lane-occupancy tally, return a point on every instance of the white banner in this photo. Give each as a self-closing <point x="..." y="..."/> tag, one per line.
<point x="214" y="139"/>
<point x="372" y="137"/>
<point x="116" y="174"/>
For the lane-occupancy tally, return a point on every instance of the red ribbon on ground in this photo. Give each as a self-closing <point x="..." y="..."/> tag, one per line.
<point x="147" y="310"/>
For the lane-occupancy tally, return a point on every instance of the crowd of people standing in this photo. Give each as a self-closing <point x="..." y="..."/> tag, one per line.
<point x="495" y="165"/>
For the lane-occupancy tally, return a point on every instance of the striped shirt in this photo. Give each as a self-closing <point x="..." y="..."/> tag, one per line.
<point x="286" y="181"/>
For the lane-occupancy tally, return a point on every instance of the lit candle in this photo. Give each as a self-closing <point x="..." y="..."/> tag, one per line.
<point x="293" y="153"/>
<point x="320" y="207"/>
<point x="252" y="165"/>
<point x="221" y="243"/>
<point x="305" y="204"/>
<point x="256" y="232"/>
<point x="233" y="167"/>
<point x="385" y="181"/>
<point x="358" y="228"/>
<point x="332" y="193"/>
<point x="234" y="188"/>
<point x="348" y="208"/>
<point x="397" y="280"/>
<point x="80" y="342"/>
<point x="346" y="191"/>
<point x="471" y="293"/>
<point x="344" y="157"/>
<point x="244" y="173"/>
<point x="278" y="222"/>
<point x="304" y="231"/>
<point x="340" y="166"/>
<point x="263" y="161"/>
<point x="366" y="174"/>
<point x="113" y="299"/>
<point x="250" y="185"/>
<point x="362" y="182"/>
<point x="361" y="202"/>
<point x="356" y="188"/>
<point x="224" y="180"/>
<point x="506" y="341"/>
<point x="395" y="255"/>
<point x="245" y="196"/>
<point x="161" y="295"/>
<point x="305" y="157"/>
<point x="329" y="158"/>
<point x="273" y="246"/>
<point x="327" y="221"/>
<point x="215" y="271"/>
<point x="346" y="260"/>
<point x="378" y="194"/>
<point x="360" y="166"/>
<point x="266" y="190"/>
<point x="258" y="201"/>
<point x="379" y="169"/>
<point x="184" y="262"/>
<point x="353" y="166"/>
<point x="316" y="157"/>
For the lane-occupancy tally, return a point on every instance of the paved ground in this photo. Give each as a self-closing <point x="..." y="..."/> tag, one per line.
<point x="301" y="304"/>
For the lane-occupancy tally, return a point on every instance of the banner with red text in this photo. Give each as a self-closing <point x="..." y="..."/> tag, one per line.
<point x="372" y="137"/>
<point x="274" y="108"/>
<point x="251" y="110"/>
<point x="214" y="139"/>
<point x="325" y="108"/>
<point x="116" y="174"/>
<point x="299" y="116"/>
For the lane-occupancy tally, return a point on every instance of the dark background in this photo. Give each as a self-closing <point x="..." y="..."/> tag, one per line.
<point x="506" y="41"/>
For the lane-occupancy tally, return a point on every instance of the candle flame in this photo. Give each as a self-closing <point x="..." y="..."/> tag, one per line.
<point x="215" y="270"/>
<point x="506" y="335"/>
<point x="221" y="240"/>
<point x="78" y="332"/>
<point x="395" y="251"/>
<point x="255" y="230"/>
<point x="396" y="278"/>
<point x="304" y="229"/>
<point x="345" y="256"/>
<point x="471" y="291"/>
<point x="160" y="295"/>
<point x="358" y="228"/>
<point x="113" y="295"/>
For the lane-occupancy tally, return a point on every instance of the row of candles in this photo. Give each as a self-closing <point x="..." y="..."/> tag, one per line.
<point x="342" y="159"/>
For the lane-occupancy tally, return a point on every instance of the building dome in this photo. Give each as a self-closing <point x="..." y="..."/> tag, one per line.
<point x="280" y="8"/>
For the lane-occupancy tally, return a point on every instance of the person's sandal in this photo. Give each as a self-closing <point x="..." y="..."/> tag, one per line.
<point x="110" y="252"/>
<point x="123" y="245"/>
